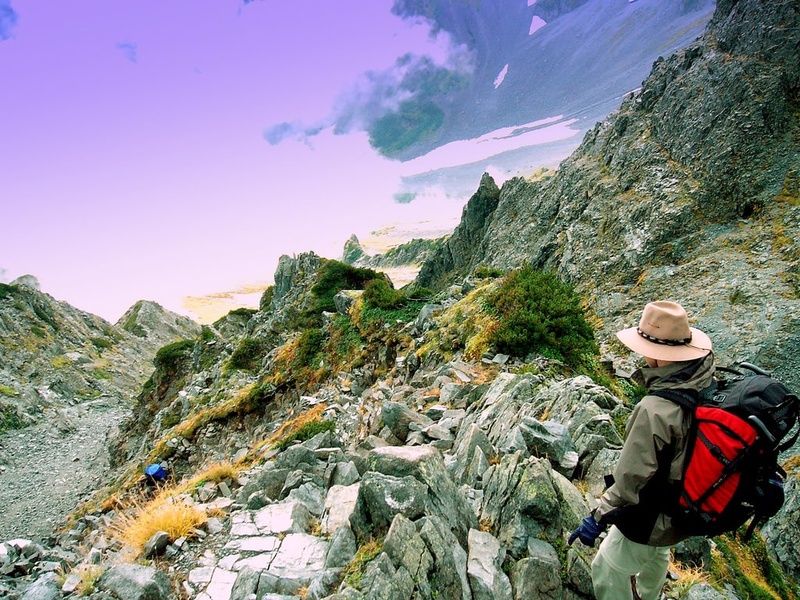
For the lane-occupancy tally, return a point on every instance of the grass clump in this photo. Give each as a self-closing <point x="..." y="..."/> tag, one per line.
<point x="163" y="513"/>
<point x="304" y="432"/>
<point x="169" y="357"/>
<point x="747" y="566"/>
<point x="539" y="313"/>
<point x="102" y="343"/>
<point x="215" y="472"/>
<point x="6" y="390"/>
<point x="688" y="577"/>
<point x="248" y="355"/>
<point x="60" y="362"/>
<point x="101" y="374"/>
<point x="354" y="571"/>
<point x="90" y="575"/>
<point x="7" y="291"/>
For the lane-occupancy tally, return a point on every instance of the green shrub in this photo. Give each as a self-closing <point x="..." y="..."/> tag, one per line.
<point x="242" y="312"/>
<point x="308" y="347"/>
<point x="101" y="374"/>
<point x="305" y="432"/>
<point x="170" y="356"/>
<point x="537" y="312"/>
<point x="334" y="276"/>
<point x="248" y="355"/>
<point x="9" y="418"/>
<point x="418" y="292"/>
<point x="38" y="331"/>
<point x="60" y="362"/>
<point x="101" y="343"/>
<point x="266" y="298"/>
<point x="7" y="291"/>
<point x="486" y="272"/>
<point x="379" y="293"/>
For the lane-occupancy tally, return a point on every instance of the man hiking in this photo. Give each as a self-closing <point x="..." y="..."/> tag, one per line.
<point x="632" y="560"/>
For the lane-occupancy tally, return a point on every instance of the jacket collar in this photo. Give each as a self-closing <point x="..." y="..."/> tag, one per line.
<point x="696" y="375"/>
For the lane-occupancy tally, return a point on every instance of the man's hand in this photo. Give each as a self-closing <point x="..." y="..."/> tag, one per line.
<point x="587" y="532"/>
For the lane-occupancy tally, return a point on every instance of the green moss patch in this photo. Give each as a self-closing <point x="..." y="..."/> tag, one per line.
<point x="169" y="357"/>
<point x="354" y="571"/>
<point x="248" y="354"/>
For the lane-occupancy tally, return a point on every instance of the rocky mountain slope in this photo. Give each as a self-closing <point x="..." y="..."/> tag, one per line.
<point x="53" y="354"/>
<point x="690" y="191"/>
<point x="66" y="378"/>
<point x="351" y="441"/>
<point x="326" y="447"/>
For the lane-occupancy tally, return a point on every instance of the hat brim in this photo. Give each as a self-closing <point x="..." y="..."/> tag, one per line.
<point x="699" y="347"/>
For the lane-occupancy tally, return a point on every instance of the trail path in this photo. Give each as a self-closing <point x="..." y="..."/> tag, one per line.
<point x="51" y="466"/>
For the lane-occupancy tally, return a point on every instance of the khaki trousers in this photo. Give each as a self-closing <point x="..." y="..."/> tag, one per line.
<point x="620" y="561"/>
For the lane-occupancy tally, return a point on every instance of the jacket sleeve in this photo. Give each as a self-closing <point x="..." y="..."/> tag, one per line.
<point x="654" y="425"/>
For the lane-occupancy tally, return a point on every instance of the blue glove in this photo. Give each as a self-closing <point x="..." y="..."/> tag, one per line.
<point x="587" y="532"/>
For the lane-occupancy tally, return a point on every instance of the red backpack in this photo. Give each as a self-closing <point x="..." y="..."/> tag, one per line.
<point x="731" y="473"/>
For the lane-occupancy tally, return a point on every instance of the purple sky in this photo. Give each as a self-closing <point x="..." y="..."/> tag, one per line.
<point x="133" y="162"/>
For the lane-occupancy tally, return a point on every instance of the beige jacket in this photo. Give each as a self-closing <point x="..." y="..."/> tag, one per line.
<point x="651" y="463"/>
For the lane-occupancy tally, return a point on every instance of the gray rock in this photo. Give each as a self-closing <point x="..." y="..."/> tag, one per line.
<point x="466" y="443"/>
<point x="551" y="440"/>
<point x="135" y="582"/>
<point x="520" y="500"/>
<point x="449" y="575"/>
<point x="156" y="545"/>
<point x="399" y="419"/>
<point x="405" y="547"/>
<point x="342" y="548"/>
<point x="782" y="532"/>
<point x="44" y="588"/>
<point x="246" y="583"/>
<point x="345" y="299"/>
<point x="484" y="567"/>
<point x="538" y="576"/>
<point x="345" y="473"/>
<point x="293" y="457"/>
<point x="704" y="591"/>
<point x="269" y="481"/>
<point x="444" y="498"/>
<point x="282" y="518"/>
<point x="309" y="495"/>
<point x="381" y="497"/>
<point x="381" y="581"/>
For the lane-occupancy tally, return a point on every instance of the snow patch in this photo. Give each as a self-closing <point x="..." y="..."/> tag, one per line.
<point x="536" y="24"/>
<point x="500" y="76"/>
<point x="531" y="2"/>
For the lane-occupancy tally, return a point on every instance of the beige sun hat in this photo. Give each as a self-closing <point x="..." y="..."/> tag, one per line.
<point x="664" y="334"/>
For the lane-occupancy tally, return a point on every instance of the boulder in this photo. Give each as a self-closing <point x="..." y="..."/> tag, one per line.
<point x="381" y="497"/>
<point x="449" y="575"/>
<point x="282" y="518"/>
<point x="539" y="575"/>
<point x="782" y="532"/>
<point x="405" y="547"/>
<point x="156" y="545"/>
<point x="382" y="581"/>
<point x="340" y="504"/>
<point x="521" y="500"/>
<point x="44" y="588"/>
<point x="400" y="419"/>
<point x="425" y="464"/>
<point x="135" y="582"/>
<point x="342" y="548"/>
<point x="484" y="567"/>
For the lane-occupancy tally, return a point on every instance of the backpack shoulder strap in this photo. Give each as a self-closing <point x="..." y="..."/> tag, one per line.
<point x="687" y="399"/>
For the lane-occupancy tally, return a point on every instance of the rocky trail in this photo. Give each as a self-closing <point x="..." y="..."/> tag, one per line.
<point x="46" y="469"/>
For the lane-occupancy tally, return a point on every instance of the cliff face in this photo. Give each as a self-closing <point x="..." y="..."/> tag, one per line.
<point x="689" y="191"/>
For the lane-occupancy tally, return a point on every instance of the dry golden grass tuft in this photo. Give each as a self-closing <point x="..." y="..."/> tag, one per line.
<point x="165" y="512"/>
<point x="90" y="574"/>
<point x="302" y="593"/>
<point x="792" y="466"/>
<point x="315" y="527"/>
<point x="688" y="576"/>
<point x="495" y="459"/>
<point x="216" y="472"/>
<point x="291" y="426"/>
<point x="485" y="525"/>
<point x="582" y="486"/>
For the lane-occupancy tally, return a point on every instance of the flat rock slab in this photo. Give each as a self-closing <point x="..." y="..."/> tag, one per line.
<point x="221" y="584"/>
<point x="299" y="552"/>
<point x="286" y="517"/>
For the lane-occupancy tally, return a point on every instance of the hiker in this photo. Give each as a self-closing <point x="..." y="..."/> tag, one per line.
<point x="632" y="560"/>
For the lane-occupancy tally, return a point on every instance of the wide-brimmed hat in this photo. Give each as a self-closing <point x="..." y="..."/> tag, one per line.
<point x="664" y="334"/>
